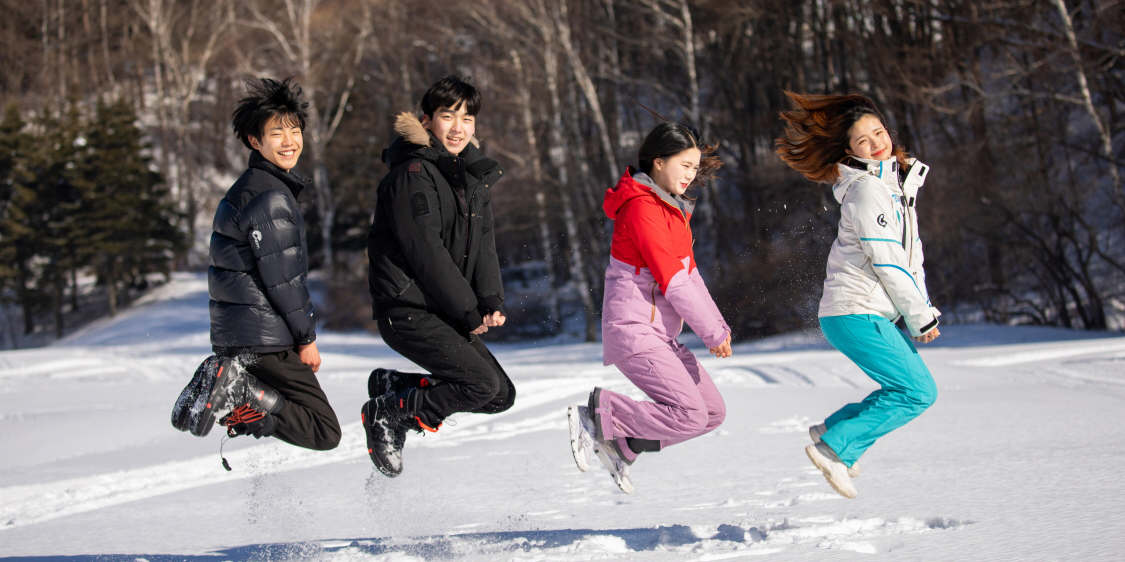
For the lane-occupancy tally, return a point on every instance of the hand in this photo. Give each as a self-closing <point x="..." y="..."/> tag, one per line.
<point x="928" y="336"/>
<point x="309" y="355"/>
<point x="480" y="329"/>
<point x="723" y="350"/>
<point x="495" y="320"/>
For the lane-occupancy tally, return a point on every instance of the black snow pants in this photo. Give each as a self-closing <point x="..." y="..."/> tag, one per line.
<point x="306" y="420"/>
<point x="467" y="378"/>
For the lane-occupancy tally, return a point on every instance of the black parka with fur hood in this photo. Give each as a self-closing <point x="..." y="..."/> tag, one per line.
<point x="431" y="244"/>
<point x="259" y="263"/>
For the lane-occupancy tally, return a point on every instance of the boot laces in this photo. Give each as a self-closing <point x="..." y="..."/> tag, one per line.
<point x="242" y="414"/>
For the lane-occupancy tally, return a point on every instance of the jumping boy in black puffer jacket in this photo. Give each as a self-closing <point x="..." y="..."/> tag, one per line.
<point x="434" y="275"/>
<point x="263" y="380"/>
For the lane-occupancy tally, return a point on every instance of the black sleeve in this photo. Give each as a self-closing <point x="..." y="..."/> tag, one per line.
<point x="271" y="222"/>
<point x="415" y="222"/>
<point x="486" y="275"/>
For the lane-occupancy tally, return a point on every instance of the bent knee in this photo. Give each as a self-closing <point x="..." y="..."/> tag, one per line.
<point x="692" y="421"/>
<point x="715" y="419"/>
<point x="483" y="390"/>
<point x="329" y="439"/>
<point x="924" y="397"/>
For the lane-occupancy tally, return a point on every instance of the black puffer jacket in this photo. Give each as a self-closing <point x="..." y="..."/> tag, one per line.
<point x="431" y="244"/>
<point x="259" y="301"/>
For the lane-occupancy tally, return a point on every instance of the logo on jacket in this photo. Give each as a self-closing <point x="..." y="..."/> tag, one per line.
<point x="416" y="167"/>
<point x="882" y="221"/>
<point x="257" y="236"/>
<point x="419" y="204"/>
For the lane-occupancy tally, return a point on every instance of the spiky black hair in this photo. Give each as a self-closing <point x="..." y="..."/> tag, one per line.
<point x="266" y="99"/>
<point x="451" y="91"/>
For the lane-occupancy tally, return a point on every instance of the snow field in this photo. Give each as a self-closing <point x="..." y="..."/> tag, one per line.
<point x="1016" y="461"/>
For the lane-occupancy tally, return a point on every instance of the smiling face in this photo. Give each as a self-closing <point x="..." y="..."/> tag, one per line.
<point x="281" y="142"/>
<point x="452" y="126"/>
<point x="675" y="173"/>
<point x="869" y="139"/>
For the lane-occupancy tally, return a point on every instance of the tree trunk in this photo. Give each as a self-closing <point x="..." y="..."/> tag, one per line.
<point x="540" y="194"/>
<point x="111" y="285"/>
<point x="1104" y="131"/>
<point x="560" y="154"/>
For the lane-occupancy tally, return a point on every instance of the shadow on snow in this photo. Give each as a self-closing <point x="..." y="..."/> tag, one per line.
<point x="438" y="547"/>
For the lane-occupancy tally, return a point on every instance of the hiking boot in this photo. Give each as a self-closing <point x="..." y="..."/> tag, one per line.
<point x="229" y="388"/>
<point x="250" y="405"/>
<point x="815" y="431"/>
<point x="386" y="419"/>
<point x="610" y="456"/>
<point x="388" y="381"/>
<point x="834" y="470"/>
<point x="582" y="443"/>
<point x="245" y="420"/>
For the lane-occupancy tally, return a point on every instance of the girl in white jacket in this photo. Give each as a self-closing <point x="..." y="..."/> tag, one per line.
<point x="874" y="271"/>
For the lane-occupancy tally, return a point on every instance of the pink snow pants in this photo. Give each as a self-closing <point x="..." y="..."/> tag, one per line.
<point x="685" y="403"/>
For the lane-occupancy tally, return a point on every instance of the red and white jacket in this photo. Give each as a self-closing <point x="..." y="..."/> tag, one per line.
<point x="652" y="284"/>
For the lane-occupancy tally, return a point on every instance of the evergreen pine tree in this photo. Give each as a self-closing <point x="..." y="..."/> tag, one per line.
<point x="127" y="219"/>
<point x="15" y="193"/>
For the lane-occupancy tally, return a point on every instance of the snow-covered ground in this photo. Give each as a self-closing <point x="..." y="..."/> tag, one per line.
<point x="1020" y="459"/>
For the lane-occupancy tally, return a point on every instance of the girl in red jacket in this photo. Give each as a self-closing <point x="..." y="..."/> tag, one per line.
<point x="651" y="287"/>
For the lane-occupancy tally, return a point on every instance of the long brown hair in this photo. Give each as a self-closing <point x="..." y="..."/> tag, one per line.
<point x="816" y="137"/>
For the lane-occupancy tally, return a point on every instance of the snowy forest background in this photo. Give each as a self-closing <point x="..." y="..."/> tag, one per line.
<point x="116" y="143"/>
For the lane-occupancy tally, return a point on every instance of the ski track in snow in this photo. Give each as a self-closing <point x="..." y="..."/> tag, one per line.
<point x="1052" y="351"/>
<point x="549" y="379"/>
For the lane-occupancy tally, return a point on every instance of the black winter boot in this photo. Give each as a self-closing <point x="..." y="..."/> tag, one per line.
<point x="253" y="405"/>
<point x="232" y="388"/>
<point x="386" y="419"/>
<point x="191" y="401"/>
<point x="388" y="381"/>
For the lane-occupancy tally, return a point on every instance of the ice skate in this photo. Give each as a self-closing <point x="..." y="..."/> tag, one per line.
<point x="815" y="431"/>
<point x="835" y="471"/>
<point x="582" y="444"/>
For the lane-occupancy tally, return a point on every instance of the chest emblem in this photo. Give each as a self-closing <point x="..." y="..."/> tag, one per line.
<point x="416" y="167"/>
<point x="881" y="220"/>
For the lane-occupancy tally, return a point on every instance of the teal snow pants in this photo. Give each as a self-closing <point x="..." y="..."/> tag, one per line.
<point x="888" y="356"/>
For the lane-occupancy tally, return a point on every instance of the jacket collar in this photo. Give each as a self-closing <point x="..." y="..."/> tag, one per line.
<point x="294" y="182"/>
<point x="896" y="180"/>
<point x="634" y="183"/>
<point x="676" y="201"/>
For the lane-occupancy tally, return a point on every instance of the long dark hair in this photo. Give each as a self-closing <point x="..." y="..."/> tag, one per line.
<point x="816" y="137"/>
<point x="671" y="138"/>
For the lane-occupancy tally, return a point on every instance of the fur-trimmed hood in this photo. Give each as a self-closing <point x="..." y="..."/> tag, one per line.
<point x="415" y="140"/>
<point x="409" y="127"/>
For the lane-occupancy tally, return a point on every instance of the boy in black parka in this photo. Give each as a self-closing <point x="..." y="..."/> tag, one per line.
<point x="261" y="312"/>
<point x="434" y="275"/>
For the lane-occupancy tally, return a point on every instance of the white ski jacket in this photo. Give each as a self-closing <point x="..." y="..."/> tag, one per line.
<point x="875" y="266"/>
